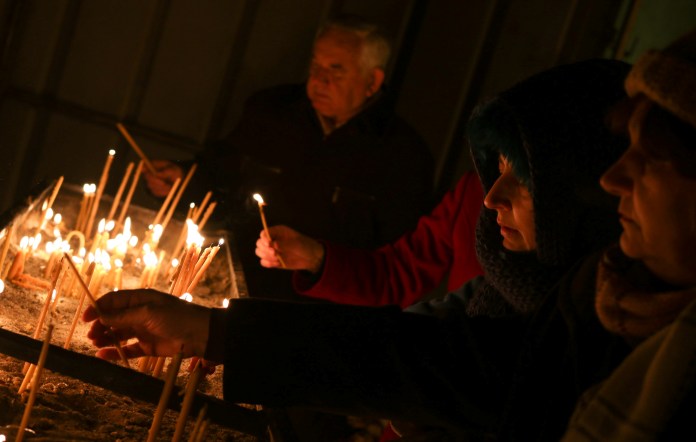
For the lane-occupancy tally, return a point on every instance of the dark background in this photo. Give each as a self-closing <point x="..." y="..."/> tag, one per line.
<point x="176" y="72"/>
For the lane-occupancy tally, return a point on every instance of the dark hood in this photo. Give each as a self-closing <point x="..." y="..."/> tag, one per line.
<point x="552" y="127"/>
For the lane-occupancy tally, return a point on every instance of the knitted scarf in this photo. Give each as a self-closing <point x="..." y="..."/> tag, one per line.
<point x="631" y="301"/>
<point x="514" y="280"/>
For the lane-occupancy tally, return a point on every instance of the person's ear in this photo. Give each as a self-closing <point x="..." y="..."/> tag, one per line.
<point x="376" y="83"/>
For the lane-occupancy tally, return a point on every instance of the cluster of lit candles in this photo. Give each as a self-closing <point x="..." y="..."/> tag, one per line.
<point x="81" y="265"/>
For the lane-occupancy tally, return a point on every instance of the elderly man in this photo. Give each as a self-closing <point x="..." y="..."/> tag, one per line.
<point x="329" y="157"/>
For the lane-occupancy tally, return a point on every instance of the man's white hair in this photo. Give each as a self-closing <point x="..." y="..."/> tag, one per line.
<point x="375" y="48"/>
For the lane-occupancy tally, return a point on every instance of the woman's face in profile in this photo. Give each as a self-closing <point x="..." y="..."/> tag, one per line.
<point x="513" y="202"/>
<point x="657" y="204"/>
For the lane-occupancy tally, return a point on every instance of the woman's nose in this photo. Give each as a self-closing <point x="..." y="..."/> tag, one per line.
<point x="497" y="197"/>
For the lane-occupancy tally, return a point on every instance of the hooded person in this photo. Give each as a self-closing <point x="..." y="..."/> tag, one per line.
<point x="452" y="365"/>
<point x="646" y="288"/>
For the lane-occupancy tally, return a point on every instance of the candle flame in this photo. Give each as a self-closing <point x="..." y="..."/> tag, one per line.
<point x="186" y="297"/>
<point x="58" y="218"/>
<point x="2" y="289"/>
<point x="221" y="242"/>
<point x="35" y="241"/>
<point x="225" y="303"/>
<point x="24" y="242"/>
<point x="192" y="205"/>
<point x="112" y="152"/>
<point x="44" y="205"/>
<point x="53" y="295"/>
<point x="175" y="262"/>
<point x="82" y="252"/>
<point x="110" y="225"/>
<point x="150" y="259"/>
<point x="49" y="214"/>
<point x="102" y="223"/>
<point x="157" y="230"/>
<point x="192" y="236"/>
<point x="259" y="199"/>
<point x="118" y="263"/>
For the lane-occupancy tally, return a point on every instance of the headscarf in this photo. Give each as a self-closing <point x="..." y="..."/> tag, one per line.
<point x="552" y="129"/>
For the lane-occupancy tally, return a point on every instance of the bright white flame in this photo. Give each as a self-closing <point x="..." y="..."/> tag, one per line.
<point x="105" y="260"/>
<point x="89" y="188"/>
<point x="127" y="227"/>
<point x="258" y="198"/>
<point x="65" y="246"/>
<point x="186" y="297"/>
<point x="58" y="218"/>
<point x="192" y="205"/>
<point x="192" y="236"/>
<point x="147" y="248"/>
<point x="2" y="289"/>
<point x="112" y="152"/>
<point x="56" y="233"/>
<point x="36" y="241"/>
<point x="82" y="252"/>
<point x="102" y="223"/>
<point x="225" y="303"/>
<point x="90" y="257"/>
<point x="110" y="226"/>
<point x="44" y="205"/>
<point x="24" y="242"/>
<point x="118" y="263"/>
<point x="175" y="262"/>
<point x="49" y="214"/>
<point x="50" y="247"/>
<point x="157" y="232"/>
<point x="133" y="241"/>
<point x="221" y="242"/>
<point x="53" y="295"/>
<point x="2" y="438"/>
<point x="150" y="259"/>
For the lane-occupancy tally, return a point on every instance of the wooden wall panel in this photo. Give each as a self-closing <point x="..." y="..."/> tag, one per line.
<point x="102" y="57"/>
<point x="442" y="67"/>
<point x="189" y="67"/>
<point x="35" y="38"/>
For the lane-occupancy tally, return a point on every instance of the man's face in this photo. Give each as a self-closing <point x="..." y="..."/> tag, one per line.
<point x="513" y="202"/>
<point x="657" y="204"/>
<point x="338" y="85"/>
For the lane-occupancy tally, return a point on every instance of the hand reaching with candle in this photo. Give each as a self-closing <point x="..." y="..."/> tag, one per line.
<point x="163" y="324"/>
<point x="299" y="252"/>
<point x="160" y="184"/>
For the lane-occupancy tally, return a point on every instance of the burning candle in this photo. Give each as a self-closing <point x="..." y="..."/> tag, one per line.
<point x="85" y="206"/>
<point x="5" y="247"/>
<point x="100" y="190"/>
<point x="259" y="199"/>
<point x="127" y="201"/>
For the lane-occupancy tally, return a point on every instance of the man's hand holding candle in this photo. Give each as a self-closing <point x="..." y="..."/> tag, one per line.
<point x="300" y="252"/>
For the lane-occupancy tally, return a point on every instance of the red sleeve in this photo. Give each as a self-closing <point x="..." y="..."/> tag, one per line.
<point x="407" y="269"/>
